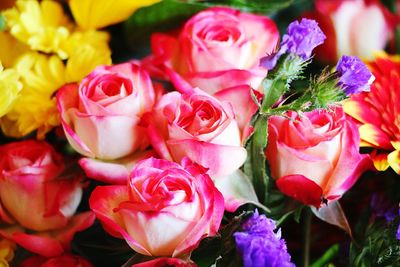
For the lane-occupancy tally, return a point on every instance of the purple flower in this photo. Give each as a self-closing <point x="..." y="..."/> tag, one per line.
<point x="301" y="38"/>
<point x="354" y="76"/>
<point x="259" y="245"/>
<point x="382" y="207"/>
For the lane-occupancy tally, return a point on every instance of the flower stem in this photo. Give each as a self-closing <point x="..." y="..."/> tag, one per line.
<point x="307" y="238"/>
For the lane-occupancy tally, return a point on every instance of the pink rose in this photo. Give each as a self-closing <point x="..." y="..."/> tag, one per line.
<point x="66" y="260"/>
<point x="314" y="157"/>
<point x="216" y="49"/>
<point x="36" y="196"/>
<point x="100" y="115"/>
<point x="199" y="127"/>
<point x="164" y="210"/>
<point x="354" y="27"/>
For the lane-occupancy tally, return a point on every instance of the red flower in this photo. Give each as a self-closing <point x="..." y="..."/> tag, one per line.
<point x="37" y="202"/>
<point x="378" y="113"/>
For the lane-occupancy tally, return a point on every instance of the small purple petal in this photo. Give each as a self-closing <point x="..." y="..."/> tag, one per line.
<point x="259" y="245"/>
<point x="354" y="76"/>
<point x="269" y="62"/>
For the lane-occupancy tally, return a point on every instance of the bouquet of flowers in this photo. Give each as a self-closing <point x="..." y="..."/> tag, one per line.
<point x="199" y="133"/>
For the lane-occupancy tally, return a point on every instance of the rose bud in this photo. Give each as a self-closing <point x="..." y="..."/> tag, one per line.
<point x="165" y="209"/>
<point x="314" y="157"/>
<point x="216" y="49"/>
<point x="37" y="200"/>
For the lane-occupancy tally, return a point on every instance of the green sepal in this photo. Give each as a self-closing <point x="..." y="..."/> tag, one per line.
<point x="277" y="83"/>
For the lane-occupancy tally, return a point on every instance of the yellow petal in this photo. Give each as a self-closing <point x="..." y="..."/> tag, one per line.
<point x="396" y="144"/>
<point x="95" y="14"/>
<point x="361" y="112"/>
<point x="7" y="249"/>
<point x="10" y="49"/>
<point x="42" y="26"/>
<point x="35" y="108"/>
<point x="10" y="86"/>
<point x="375" y="136"/>
<point x="394" y="161"/>
<point x="84" y="61"/>
<point x="380" y="161"/>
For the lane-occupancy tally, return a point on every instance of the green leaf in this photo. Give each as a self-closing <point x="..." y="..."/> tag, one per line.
<point x="297" y="214"/>
<point x="171" y="14"/>
<point x="390" y="4"/>
<point x="174" y="12"/>
<point x="273" y="90"/>
<point x="164" y="16"/>
<point x="256" y="156"/>
<point x="168" y="11"/>
<point x="379" y="247"/>
<point x="220" y="249"/>
<point x="255" y="6"/>
<point x="327" y="257"/>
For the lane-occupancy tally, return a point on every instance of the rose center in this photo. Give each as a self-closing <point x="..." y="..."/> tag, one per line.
<point x="203" y="118"/>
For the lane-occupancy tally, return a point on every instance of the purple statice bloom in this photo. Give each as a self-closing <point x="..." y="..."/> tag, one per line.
<point x="259" y="245"/>
<point x="382" y="207"/>
<point x="301" y="38"/>
<point x="354" y="76"/>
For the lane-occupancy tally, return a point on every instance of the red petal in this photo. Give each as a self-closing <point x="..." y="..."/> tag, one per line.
<point x="300" y="188"/>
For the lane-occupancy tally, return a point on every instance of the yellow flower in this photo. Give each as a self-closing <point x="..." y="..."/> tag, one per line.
<point x="87" y="50"/>
<point x="6" y="252"/>
<point x="95" y="14"/>
<point x="35" y="108"/>
<point x="10" y="49"/>
<point x="10" y="86"/>
<point x="42" y="26"/>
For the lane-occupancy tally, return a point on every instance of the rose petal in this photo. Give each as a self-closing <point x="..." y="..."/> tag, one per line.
<point x="221" y="160"/>
<point x="301" y="188"/>
<point x="237" y="190"/>
<point x="113" y="172"/>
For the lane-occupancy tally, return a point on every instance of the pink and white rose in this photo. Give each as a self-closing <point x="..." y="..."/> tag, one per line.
<point x="38" y="200"/>
<point x="199" y="127"/>
<point x="100" y="116"/>
<point x="216" y="49"/>
<point x="352" y="27"/>
<point x="314" y="156"/>
<point x="164" y="210"/>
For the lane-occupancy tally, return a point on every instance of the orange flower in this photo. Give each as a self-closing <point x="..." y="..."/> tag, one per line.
<point x="378" y="113"/>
